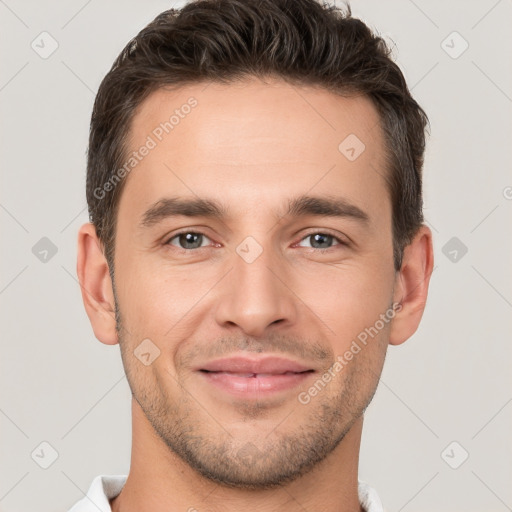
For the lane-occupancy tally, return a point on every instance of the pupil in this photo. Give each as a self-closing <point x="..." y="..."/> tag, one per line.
<point x="322" y="239"/>
<point x="190" y="238"/>
<point x="193" y="239"/>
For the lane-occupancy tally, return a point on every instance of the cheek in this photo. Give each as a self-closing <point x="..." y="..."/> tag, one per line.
<point x="349" y="300"/>
<point x="155" y="295"/>
<point x="161" y="301"/>
<point x="149" y="299"/>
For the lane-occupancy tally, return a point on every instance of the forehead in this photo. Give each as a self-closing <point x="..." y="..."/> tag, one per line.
<point x="251" y="142"/>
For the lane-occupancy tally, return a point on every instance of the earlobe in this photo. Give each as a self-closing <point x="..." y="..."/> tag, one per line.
<point x="411" y="286"/>
<point x="96" y="285"/>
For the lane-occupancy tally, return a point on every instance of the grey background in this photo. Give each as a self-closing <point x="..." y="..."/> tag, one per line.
<point x="450" y="382"/>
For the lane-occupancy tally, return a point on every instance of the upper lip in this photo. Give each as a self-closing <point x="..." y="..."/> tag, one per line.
<point x="244" y="364"/>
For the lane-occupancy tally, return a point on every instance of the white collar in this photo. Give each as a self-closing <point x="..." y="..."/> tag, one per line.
<point x="106" y="487"/>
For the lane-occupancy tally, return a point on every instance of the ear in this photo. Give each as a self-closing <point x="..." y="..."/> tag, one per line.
<point x="411" y="286"/>
<point x="96" y="285"/>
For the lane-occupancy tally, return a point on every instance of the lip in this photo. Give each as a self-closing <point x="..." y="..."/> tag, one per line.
<point x="254" y="377"/>
<point x="243" y="364"/>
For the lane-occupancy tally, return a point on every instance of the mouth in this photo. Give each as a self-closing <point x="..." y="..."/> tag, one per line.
<point x="248" y="378"/>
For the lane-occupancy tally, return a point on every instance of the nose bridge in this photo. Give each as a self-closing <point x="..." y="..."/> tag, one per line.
<point x="257" y="294"/>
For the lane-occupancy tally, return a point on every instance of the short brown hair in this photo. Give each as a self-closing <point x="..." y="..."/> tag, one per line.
<point x="300" y="41"/>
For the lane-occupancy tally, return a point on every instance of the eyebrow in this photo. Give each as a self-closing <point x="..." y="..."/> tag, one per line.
<point x="297" y="207"/>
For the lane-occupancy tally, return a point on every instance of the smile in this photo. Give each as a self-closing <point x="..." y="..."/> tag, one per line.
<point x="254" y="376"/>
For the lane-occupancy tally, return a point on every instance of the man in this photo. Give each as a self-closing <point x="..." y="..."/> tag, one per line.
<point x="256" y="243"/>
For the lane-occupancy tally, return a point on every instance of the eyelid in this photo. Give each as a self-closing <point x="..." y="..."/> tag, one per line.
<point x="168" y="239"/>
<point x="342" y="241"/>
<point x="324" y="231"/>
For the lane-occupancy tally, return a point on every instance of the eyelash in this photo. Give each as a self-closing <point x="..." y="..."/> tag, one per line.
<point x="188" y="231"/>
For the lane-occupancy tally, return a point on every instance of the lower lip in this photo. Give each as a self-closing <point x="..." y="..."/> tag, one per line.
<point x="255" y="386"/>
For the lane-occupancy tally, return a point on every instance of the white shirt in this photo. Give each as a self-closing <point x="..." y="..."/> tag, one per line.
<point x="105" y="487"/>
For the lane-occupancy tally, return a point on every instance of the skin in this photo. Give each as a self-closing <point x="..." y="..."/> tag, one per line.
<point x="252" y="146"/>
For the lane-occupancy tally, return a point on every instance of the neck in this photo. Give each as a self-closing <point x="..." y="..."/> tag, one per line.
<point x="160" y="481"/>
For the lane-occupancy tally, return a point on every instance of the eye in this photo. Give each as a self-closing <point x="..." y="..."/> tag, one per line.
<point x="188" y="240"/>
<point x="322" y="241"/>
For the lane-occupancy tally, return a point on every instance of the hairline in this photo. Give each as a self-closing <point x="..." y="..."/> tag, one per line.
<point x="109" y="228"/>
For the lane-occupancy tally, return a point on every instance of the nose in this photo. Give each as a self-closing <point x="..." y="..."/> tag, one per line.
<point x="256" y="295"/>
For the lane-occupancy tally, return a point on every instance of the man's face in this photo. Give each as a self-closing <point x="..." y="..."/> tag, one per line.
<point x="256" y="283"/>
